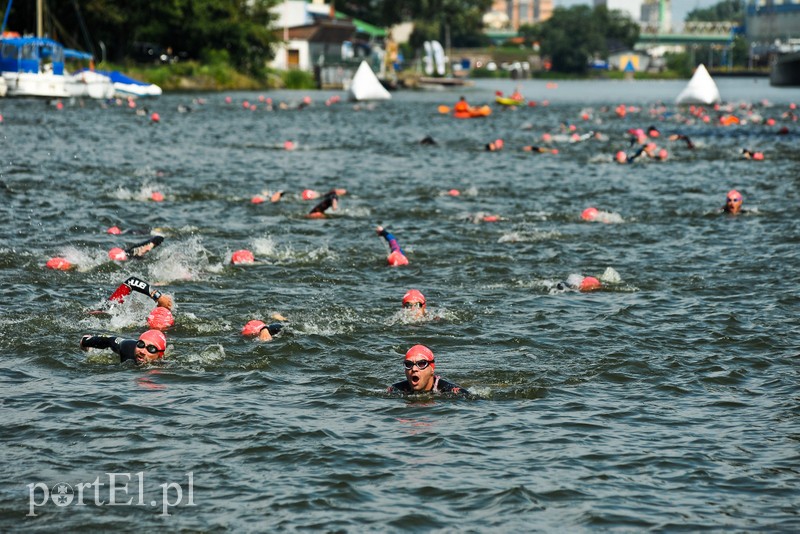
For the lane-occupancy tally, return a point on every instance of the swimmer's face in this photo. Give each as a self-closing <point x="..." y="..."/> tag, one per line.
<point x="143" y="353"/>
<point x="414" y="309"/>
<point x="733" y="204"/>
<point x="419" y="379"/>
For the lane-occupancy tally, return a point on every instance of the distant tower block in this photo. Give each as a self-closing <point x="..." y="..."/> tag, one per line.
<point x="521" y="12"/>
<point x="657" y="15"/>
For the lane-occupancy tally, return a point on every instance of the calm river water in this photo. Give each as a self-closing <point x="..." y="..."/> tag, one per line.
<point x="666" y="401"/>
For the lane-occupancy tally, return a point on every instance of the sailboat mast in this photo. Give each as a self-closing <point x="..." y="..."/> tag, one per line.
<point x="39" y="32"/>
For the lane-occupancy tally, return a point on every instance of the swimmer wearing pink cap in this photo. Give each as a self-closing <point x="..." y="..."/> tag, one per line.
<point x="414" y="303"/>
<point x="150" y="346"/>
<point x="419" y="366"/>
<point x="160" y="318"/>
<point x="540" y="149"/>
<point x="140" y="286"/>
<point x="242" y="257"/>
<point x="396" y="257"/>
<point x="583" y="284"/>
<point x="262" y="330"/>
<point x="733" y="202"/>
<point x="330" y="200"/>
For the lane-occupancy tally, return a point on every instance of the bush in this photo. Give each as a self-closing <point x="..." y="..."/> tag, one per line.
<point x="298" y="79"/>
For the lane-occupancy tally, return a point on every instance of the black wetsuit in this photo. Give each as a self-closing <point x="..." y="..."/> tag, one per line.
<point x="325" y="203"/>
<point x="126" y="348"/>
<point x="439" y="386"/>
<point x="135" y="284"/>
<point x="140" y="249"/>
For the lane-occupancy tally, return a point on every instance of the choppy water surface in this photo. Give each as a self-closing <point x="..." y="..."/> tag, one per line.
<point x="666" y="401"/>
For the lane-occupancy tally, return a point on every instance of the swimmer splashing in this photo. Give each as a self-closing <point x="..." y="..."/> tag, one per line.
<point x="396" y="257"/>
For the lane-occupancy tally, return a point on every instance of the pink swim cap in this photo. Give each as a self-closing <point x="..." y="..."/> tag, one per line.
<point x="160" y="318"/>
<point x="662" y="154"/>
<point x="589" y="214"/>
<point x="157" y="338"/>
<point x="420" y="351"/>
<point x="114" y="230"/>
<point x="590" y="283"/>
<point x="396" y="259"/>
<point x="621" y="157"/>
<point x="117" y="254"/>
<point x="58" y="264"/>
<point x="157" y="196"/>
<point x="155" y="117"/>
<point x="758" y="156"/>
<point x="253" y="328"/>
<point x="258" y="199"/>
<point x="309" y="194"/>
<point x="288" y="145"/>
<point x="242" y="256"/>
<point x="454" y="192"/>
<point x="414" y="295"/>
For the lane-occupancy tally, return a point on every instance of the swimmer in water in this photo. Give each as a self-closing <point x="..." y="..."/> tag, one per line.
<point x="540" y="149"/>
<point x="495" y="145"/>
<point x="330" y="200"/>
<point x="681" y="137"/>
<point x="396" y="256"/>
<point x="750" y="154"/>
<point x="419" y="367"/>
<point x="140" y="286"/>
<point x="414" y="303"/>
<point x="428" y="140"/>
<point x="140" y="249"/>
<point x="583" y="284"/>
<point x="149" y="347"/>
<point x="264" y="332"/>
<point x="733" y="203"/>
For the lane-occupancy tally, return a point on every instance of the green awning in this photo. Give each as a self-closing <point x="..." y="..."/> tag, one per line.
<point x="363" y="27"/>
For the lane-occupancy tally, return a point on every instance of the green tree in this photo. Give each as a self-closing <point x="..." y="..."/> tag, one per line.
<point x="573" y="35"/>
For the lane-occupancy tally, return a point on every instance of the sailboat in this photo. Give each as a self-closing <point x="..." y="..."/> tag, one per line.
<point x="366" y="86"/>
<point x="701" y="89"/>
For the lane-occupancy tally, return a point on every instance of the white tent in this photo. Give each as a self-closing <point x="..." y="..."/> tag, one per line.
<point x="701" y="89"/>
<point x="366" y="86"/>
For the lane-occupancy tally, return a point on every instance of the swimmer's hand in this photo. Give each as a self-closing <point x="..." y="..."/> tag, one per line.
<point x="278" y="317"/>
<point x="379" y="229"/>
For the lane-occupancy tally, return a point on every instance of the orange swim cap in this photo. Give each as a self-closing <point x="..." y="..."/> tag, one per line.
<point x="396" y="259"/>
<point x="157" y="338"/>
<point x="58" y="264"/>
<point x="117" y="254"/>
<point x="590" y="214"/>
<point x="242" y="256"/>
<point x="413" y="295"/>
<point x="253" y="328"/>
<point x="590" y="283"/>
<point x="160" y="318"/>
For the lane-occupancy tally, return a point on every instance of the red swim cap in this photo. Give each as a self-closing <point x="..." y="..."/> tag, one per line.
<point x="309" y="194"/>
<point x="621" y="157"/>
<point x="157" y="338"/>
<point x="288" y="145"/>
<point x="253" y="328"/>
<point x="258" y="199"/>
<point x="733" y="193"/>
<point x="413" y="295"/>
<point x="242" y="256"/>
<point x="157" y="197"/>
<point x="117" y="254"/>
<point x="160" y="318"/>
<point x="454" y="192"/>
<point x="590" y="283"/>
<point x="758" y="156"/>
<point x="589" y="214"/>
<point x="396" y="259"/>
<point x="114" y="230"/>
<point x="420" y="351"/>
<point x="155" y="117"/>
<point x="58" y="264"/>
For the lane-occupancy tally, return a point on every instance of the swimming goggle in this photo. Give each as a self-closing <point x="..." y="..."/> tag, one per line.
<point x="413" y="304"/>
<point x="734" y="199"/>
<point x="421" y="364"/>
<point x="152" y="349"/>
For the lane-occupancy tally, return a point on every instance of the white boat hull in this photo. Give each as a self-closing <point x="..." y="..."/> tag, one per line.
<point x="42" y="85"/>
<point x="89" y="84"/>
